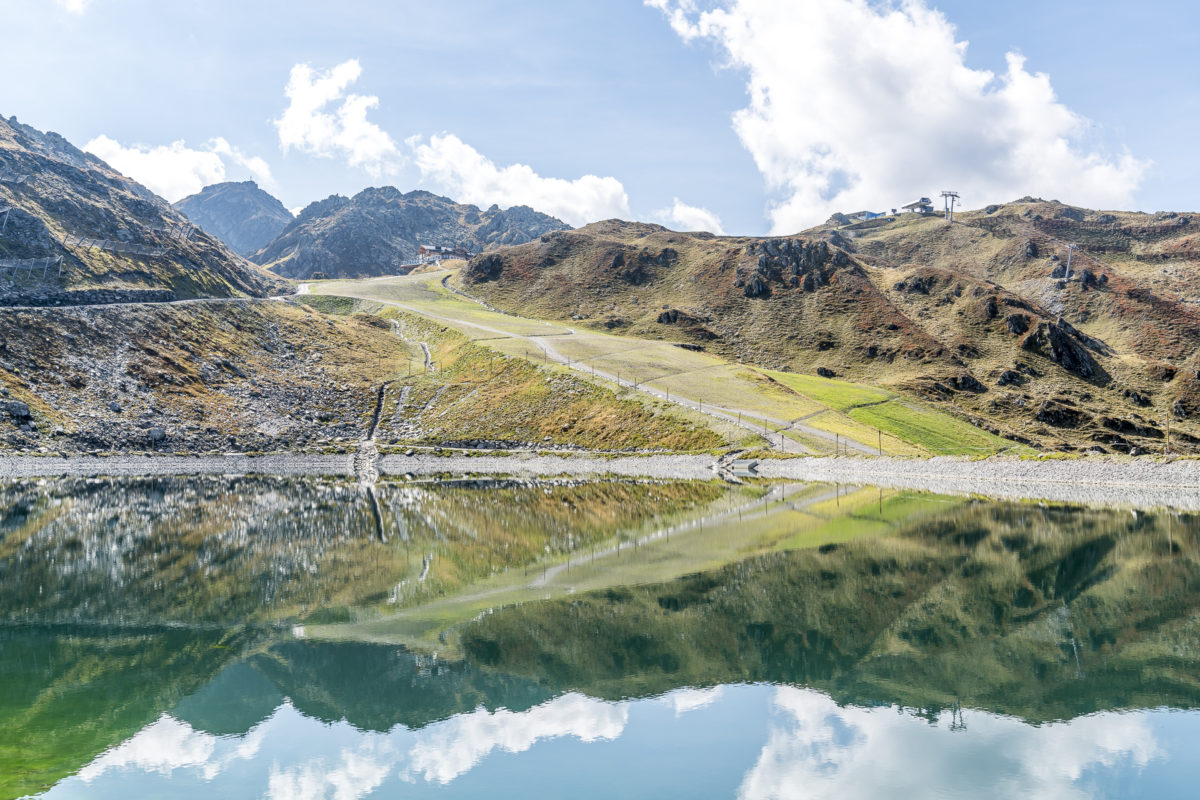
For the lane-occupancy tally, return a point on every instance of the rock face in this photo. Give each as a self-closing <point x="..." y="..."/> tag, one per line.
<point x="111" y="232"/>
<point x="378" y="232"/>
<point x="241" y="215"/>
<point x="1063" y="345"/>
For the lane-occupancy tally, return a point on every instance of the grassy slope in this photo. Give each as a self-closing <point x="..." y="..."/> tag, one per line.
<point x="904" y="419"/>
<point x="685" y="373"/>
<point x="476" y="394"/>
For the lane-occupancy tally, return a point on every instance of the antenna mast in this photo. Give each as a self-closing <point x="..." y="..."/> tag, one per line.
<point x="951" y="198"/>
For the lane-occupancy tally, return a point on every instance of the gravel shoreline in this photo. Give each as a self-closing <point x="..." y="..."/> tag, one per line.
<point x="1136" y="483"/>
<point x="1094" y="481"/>
<point x="16" y="467"/>
<point x="663" y="467"/>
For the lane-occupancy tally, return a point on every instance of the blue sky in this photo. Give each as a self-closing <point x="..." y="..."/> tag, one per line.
<point x="518" y="102"/>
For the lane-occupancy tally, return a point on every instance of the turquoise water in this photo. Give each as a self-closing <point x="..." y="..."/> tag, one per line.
<point x="207" y="639"/>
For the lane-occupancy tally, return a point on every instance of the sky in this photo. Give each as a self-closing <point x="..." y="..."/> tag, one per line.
<point x="735" y="116"/>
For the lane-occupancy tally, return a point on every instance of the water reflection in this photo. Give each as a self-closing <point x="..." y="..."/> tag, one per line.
<point x="219" y="551"/>
<point x="746" y="741"/>
<point x="877" y="648"/>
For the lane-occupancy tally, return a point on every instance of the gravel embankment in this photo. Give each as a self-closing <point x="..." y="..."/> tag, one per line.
<point x="132" y="466"/>
<point x="662" y="467"/>
<point x="1137" y="483"/>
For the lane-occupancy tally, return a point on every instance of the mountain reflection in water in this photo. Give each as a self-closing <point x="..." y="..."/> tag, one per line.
<point x="983" y="649"/>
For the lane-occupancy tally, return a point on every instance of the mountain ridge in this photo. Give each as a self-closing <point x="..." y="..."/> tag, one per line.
<point x="87" y="228"/>
<point x="379" y="230"/>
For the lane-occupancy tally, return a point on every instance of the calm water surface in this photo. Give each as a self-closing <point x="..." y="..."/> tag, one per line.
<point x="295" y="639"/>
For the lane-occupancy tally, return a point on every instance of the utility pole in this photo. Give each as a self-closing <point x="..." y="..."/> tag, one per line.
<point x="951" y="198"/>
<point x="1071" y="248"/>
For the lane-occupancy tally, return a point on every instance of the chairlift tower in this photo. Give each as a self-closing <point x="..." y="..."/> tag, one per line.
<point x="951" y="198"/>
<point x="1071" y="248"/>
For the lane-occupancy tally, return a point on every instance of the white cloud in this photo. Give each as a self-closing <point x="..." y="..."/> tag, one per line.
<point x="685" y="700"/>
<point x="470" y="177"/>
<point x="822" y="750"/>
<point x="162" y="747"/>
<point x="683" y="217"/>
<point x="175" y="171"/>
<point x="449" y="749"/>
<point x="323" y="120"/>
<point x="168" y="744"/>
<point x="307" y="126"/>
<point x="857" y="104"/>
<point x="172" y="171"/>
<point x="358" y="773"/>
<point x="74" y="6"/>
<point x="255" y="165"/>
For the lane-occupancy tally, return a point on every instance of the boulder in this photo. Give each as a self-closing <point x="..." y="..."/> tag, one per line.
<point x="17" y="410"/>
<point x="967" y="383"/>
<point x="1060" y="415"/>
<point x="1010" y="378"/>
<point x="1017" y="323"/>
<point x="825" y="372"/>
<point x="1137" y="398"/>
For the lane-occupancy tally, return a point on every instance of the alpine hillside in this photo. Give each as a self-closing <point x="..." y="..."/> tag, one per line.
<point x="979" y="316"/>
<point x="73" y="230"/>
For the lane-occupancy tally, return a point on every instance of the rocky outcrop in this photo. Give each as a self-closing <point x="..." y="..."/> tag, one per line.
<point x="1062" y="344"/>
<point x="1010" y="378"/>
<point x="803" y="264"/>
<point x="241" y="215"/>
<point x="379" y="230"/>
<point x="484" y="268"/>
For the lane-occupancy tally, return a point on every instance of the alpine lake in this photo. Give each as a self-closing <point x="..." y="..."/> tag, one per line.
<point x="298" y="638"/>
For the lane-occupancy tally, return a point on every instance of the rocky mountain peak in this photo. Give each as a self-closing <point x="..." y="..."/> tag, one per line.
<point x="240" y="214"/>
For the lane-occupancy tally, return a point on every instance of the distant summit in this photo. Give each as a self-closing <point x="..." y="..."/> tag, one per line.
<point x="379" y="230"/>
<point x="241" y="215"/>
